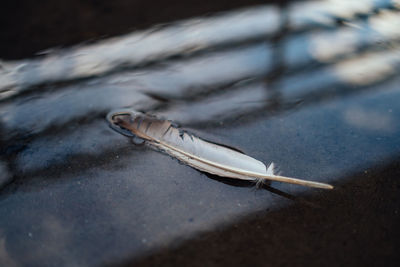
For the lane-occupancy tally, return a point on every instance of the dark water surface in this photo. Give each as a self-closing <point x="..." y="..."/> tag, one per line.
<point x="311" y="86"/>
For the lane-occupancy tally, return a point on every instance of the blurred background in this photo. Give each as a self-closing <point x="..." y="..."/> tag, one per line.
<point x="313" y="86"/>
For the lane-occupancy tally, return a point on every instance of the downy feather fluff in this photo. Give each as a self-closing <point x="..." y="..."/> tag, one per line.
<point x="196" y="152"/>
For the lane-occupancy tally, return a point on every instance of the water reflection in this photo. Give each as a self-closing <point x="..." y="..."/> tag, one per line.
<point x="312" y="85"/>
<point x="370" y="119"/>
<point x="369" y="68"/>
<point x="182" y="39"/>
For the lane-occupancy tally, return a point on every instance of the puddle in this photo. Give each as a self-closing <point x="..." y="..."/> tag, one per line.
<point x="312" y="87"/>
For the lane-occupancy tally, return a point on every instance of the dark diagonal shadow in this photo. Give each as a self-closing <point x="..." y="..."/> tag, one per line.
<point x="355" y="225"/>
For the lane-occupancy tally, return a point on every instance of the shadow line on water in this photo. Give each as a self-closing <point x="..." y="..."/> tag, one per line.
<point x="356" y="224"/>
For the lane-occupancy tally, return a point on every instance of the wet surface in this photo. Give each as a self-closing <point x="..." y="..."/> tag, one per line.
<point x="312" y="86"/>
<point x="36" y="28"/>
<point x="338" y="227"/>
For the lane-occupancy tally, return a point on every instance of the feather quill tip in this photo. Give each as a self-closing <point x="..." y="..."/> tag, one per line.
<point x="271" y="175"/>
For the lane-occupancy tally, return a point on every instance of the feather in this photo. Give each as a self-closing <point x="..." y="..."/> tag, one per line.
<point x="196" y="152"/>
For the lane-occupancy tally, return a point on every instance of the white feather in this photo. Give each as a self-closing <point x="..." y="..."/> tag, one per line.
<point x="196" y="152"/>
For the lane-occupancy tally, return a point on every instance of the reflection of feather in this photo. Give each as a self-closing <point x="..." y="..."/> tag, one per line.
<point x="198" y="153"/>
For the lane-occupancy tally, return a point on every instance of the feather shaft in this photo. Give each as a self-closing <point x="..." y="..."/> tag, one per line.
<point x="277" y="178"/>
